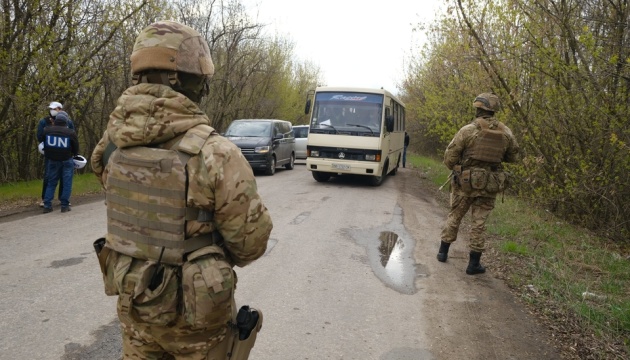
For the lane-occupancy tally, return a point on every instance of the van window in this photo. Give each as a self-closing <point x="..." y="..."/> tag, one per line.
<point x="248" y="128"/>
<point x="300" y="132"/>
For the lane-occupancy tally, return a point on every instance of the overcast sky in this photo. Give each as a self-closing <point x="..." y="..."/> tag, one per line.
<point x="354" y="43"/>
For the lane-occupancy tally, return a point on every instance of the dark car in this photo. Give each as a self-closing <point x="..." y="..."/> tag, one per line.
<point x="265" y="143"/>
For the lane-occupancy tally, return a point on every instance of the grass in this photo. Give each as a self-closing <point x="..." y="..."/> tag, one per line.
<point x="31" y="191"/>
<point x="564" y="272"/>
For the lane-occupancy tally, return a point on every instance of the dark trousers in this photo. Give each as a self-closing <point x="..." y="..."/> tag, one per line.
<point x="59" y="172"/>
<point x="45" y="184"/>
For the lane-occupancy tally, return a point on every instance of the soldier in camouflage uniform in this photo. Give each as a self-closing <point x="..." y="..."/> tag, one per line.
<point x="175" y="234"/>
<point x="475" y="156"/>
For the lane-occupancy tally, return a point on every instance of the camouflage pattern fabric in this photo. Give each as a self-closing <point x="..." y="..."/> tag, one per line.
<point x="480" y="207"/>
<point x="220" y="181"/>
<point x="220" y="178"/>
<point x="454" y="154"/>
<point x="168" y="45"/>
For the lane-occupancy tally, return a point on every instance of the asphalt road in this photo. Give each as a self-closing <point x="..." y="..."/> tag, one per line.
<point x="350" y="273"/>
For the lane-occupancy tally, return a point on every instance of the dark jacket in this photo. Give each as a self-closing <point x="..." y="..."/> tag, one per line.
<point x="60" y="142"/>
<point x="48" y="121"/>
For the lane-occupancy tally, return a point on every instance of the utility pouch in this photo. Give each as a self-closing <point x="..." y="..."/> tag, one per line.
<point x="155" y="305"/>
<point x="248" y="324"/>
<point x="208" y="288"/>
<point x="106" y="259"/>
<point x="464" y="181"/>
<point x="478" y="178"/>
<point x="496" y="182"/>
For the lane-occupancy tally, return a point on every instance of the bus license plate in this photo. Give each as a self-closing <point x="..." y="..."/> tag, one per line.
<point x="341" y="166"/>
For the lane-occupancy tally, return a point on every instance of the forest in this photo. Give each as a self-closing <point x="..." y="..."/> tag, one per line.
<point x="77" y="53"/>
<point x="562" y="71"/>
<point x="560" y="67"/>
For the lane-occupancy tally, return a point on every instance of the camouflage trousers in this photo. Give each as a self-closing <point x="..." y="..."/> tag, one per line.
<point x="176" y="342"/>
<point x="480" y="207"/>
<point x="183" y="316"/>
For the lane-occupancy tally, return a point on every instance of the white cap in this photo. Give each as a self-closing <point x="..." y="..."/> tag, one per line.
<point x="54" y="105"/>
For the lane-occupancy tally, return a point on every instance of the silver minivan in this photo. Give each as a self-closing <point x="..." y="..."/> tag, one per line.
<point x="300" y="132"/>
<point x="265" y="143"/>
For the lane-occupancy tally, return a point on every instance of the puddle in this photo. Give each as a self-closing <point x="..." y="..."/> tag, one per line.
<point x="390" y="254"/>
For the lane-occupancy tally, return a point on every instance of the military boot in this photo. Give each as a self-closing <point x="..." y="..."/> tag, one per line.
<point x="443" y="252"/>
<point x="474" y="267"/>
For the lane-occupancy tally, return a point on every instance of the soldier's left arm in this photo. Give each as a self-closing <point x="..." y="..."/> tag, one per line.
<point x="96" y="160"/>
<point x="513" y="151"/>
<point x="239" y="213"/>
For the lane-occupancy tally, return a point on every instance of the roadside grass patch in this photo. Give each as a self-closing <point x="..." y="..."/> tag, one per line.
<point x="578" y="281"/>
<point x="31" y="191"/>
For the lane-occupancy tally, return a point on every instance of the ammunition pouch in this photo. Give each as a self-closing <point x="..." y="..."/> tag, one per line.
<point x="497" y="181"/>
<point x="208" y="288"/>
<point x="145" y="298"/>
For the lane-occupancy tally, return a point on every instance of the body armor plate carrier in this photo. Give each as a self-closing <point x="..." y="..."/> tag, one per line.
<point x="489" y="145"/>
<point x="146" y="200"/>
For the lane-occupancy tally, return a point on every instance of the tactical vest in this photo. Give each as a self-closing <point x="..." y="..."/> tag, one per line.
<point x="146" y="200"/>
<point x="489" y="144"/>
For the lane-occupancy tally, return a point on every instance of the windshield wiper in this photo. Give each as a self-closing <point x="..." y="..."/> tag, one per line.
<point x="363" y="126"/>
<point x="336" y="132"/>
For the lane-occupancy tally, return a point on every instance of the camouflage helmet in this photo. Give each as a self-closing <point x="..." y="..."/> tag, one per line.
<point x="167" y="45"/>
<point x="487" y="101"/>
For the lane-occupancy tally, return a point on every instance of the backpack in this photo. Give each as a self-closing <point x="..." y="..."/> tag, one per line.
<point x="146" y="200"/>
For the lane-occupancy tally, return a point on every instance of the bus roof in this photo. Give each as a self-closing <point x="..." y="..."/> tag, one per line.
<point x="358" y="89"/>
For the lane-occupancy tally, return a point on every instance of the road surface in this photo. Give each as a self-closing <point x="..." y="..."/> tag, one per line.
<point x="350" y="273"/>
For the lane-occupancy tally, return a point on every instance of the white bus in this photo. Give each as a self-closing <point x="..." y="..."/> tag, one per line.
<point x="354" y="131"/>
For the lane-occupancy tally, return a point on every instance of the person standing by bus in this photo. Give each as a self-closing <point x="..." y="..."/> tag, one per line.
<point x="405" y="149"/>
<point x="475" y="156"/>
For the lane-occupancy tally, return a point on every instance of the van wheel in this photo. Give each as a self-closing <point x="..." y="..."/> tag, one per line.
<point x="321" y="176"/>
<point x="291" y="163"/>
<point x="378" y="180"/>
<point x="271" y="168"/>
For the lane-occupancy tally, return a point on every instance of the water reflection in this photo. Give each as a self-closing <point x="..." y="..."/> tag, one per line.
<point x="390" y="254"/>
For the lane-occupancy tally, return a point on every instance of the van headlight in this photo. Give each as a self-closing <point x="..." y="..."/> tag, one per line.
<point x="313" y="153"/>
<point x="370" y="157"/>
<point x="261" y="149"/>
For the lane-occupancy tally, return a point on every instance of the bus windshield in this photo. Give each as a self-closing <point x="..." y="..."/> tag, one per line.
<point x="347" y="113"/>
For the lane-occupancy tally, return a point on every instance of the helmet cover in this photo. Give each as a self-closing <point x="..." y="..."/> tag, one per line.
<point x="487" y="101"/>
<point x="171" y="46"/>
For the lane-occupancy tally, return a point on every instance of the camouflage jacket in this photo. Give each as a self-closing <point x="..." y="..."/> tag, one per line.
<point x="220" y="178"/>
<point x="454" y="154"/>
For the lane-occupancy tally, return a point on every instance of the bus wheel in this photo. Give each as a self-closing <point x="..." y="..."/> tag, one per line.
<point x="396" y="168"/>
<point x="378" y="180"/>
<point x="321" y="176"/>
<point x="271" y="167"/>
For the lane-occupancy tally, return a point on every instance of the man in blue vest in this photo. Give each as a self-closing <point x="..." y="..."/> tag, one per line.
<point x="60" y="146"/>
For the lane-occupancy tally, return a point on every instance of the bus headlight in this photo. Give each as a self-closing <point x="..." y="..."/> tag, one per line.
<point x="261" y="149"/>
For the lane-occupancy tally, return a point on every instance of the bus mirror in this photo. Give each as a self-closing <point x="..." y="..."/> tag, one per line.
<point x="307" y="109"/>
<point x="389" y="122"/>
